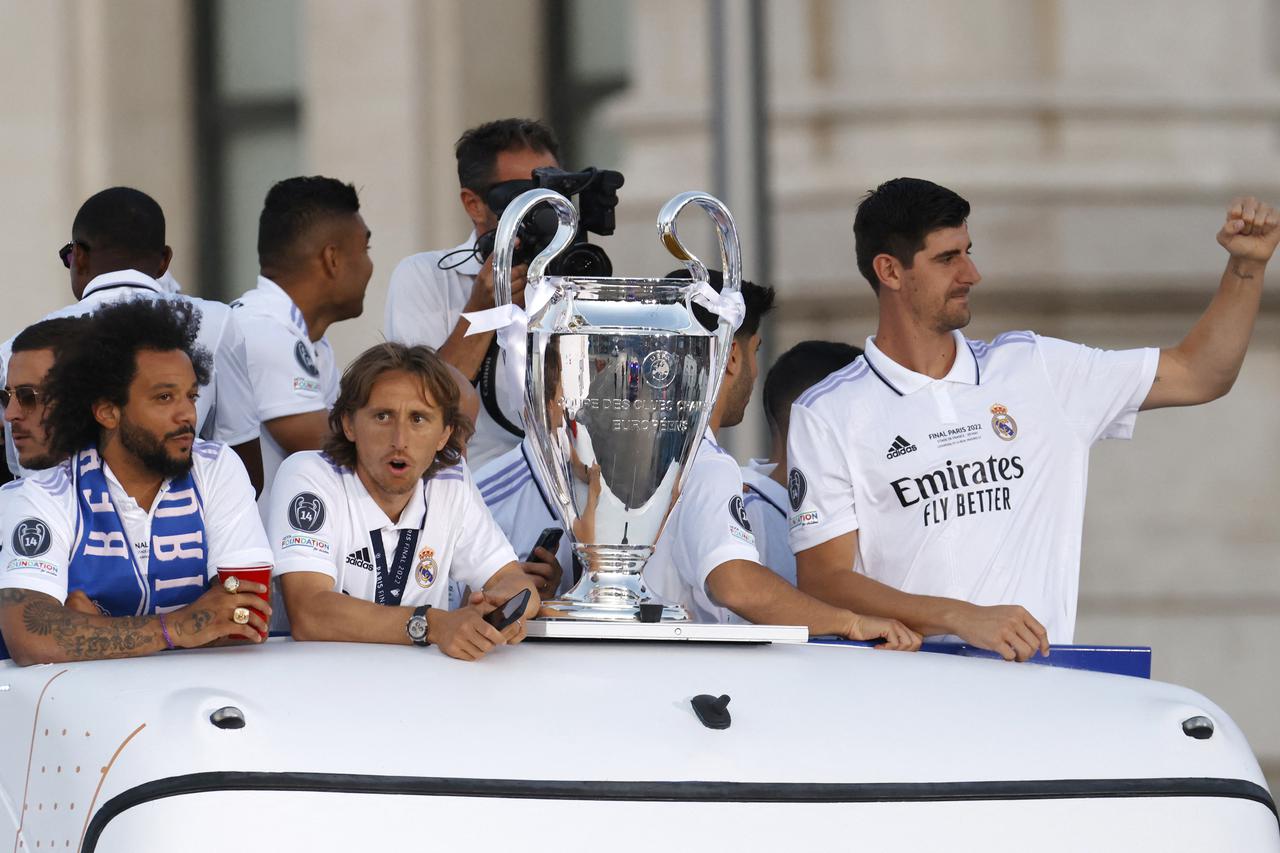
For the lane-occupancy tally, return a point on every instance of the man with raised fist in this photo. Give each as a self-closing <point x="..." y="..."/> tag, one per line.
<point x="940" y="480"/>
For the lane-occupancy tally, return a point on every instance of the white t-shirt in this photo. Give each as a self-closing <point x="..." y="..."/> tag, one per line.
<point x="766" y="505"/>
<point x="516" y="499"/>
<point x="971" y="486"/>
<point x="233" y="531"/>
<point x="321" y="519"/>
<point x="708" y="526"/>
<point x="289" y="373"/>
<point x="218" y="335"/>
<point x="424" y="303"/>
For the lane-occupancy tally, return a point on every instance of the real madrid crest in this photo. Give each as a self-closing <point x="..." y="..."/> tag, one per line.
<point x="1004" y="425"/>
<point x="426" y="570"/>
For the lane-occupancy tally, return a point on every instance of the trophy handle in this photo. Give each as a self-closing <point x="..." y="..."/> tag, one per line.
<point x="730" y="264"/>
<point x="508" y="227"/>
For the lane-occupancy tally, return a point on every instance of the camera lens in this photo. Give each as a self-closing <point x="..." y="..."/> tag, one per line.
<point x="583" y="259"/>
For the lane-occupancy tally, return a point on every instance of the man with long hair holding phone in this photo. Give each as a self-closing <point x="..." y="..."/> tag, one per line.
<point x="369" y="533"/>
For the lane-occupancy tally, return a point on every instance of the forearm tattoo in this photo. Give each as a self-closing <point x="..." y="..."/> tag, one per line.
<point x="1241" y="273"/>
<point x="79" y="636"/>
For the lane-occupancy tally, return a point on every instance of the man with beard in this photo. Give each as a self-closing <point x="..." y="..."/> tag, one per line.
<point x="34" y="350"/>
<point x="109" y="554"/>
<point x="941" y="480"/>
<point x="360" y="557"/>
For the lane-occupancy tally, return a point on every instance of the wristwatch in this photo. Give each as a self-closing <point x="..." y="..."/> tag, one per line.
<point x="416" y="627"/>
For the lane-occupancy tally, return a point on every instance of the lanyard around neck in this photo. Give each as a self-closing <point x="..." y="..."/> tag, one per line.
<point x="390" y="580"/>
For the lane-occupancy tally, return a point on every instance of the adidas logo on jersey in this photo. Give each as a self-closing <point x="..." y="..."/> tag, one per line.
<point x="900" y="447"/>
<point x="360" y="559"/>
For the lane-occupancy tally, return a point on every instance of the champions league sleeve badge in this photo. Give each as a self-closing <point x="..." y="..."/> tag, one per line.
<point x="306" y="512"/>
<point x="31" y="538"/>
<point x="796" y="487"/>
<point x="738" y="511"/>
<point x="1005" y="426"/>
<point x="305" y="361"/>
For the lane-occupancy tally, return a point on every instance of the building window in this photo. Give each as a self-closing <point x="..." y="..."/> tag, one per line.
<point x="248" y="133"/>
<point x="587" y="60"/>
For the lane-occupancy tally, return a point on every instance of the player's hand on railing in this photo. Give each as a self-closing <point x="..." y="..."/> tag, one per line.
<point x="1006" y="629"/>
<point x="895" y="635"/>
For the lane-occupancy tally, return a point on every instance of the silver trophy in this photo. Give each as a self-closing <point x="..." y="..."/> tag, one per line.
<point x="619" y="382"/>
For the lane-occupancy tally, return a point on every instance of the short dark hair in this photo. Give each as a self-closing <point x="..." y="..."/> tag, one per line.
<point x="756" y="298"/>
<point x="477" y="150"/>
<point x="357" y="384"/>
<point x="102" y="362"/>
<point x="121" y="222"/>
<point x="897" y="216"/>
<point x="293" y="207"/>
<point x="53" y="334"/>
<point x="796" y="371"/>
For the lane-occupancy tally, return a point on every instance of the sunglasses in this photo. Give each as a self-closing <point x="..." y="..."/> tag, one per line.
<point x="27" y="396"/>
<point x="64" y="254"/>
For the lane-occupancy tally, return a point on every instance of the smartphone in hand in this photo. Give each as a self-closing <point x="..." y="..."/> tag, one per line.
<point x="509" y="612"/>
<point x="549" y="539"/>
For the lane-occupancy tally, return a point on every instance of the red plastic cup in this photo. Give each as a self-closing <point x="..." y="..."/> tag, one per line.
<point x="257" y="574"/>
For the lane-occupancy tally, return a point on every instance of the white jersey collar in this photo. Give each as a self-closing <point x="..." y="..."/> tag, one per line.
<point x="122" y="278"/>
<point x="903" y="381"/>
<point x="761" y="466"/>
<point x="412" y="517"/>
<point x="276" y="297"/>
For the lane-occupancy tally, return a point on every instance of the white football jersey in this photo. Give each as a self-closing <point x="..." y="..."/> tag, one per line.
<point x="971" y="486"/>
<point x="289" y="374"/>
<point x="766" y="505"/>
<point x="322" y="519"/>
<point x="233" y="531"/>
<point x="708" y="526"/>
<point x="515" y="498"/>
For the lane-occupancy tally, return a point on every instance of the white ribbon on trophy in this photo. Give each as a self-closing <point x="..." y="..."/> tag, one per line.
<point x="726" y="305"/>
<point x="511" y="322"/>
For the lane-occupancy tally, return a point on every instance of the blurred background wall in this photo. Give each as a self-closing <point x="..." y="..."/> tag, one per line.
<point x="1099" y="143"/>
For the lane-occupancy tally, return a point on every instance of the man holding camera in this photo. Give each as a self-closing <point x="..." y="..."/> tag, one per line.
<point x="430" y="291"/>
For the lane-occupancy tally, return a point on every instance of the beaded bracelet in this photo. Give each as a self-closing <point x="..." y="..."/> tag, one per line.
<point x="164" y="629"/>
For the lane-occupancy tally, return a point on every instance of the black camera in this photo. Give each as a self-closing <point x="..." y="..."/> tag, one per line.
<point x="597" y="192"/>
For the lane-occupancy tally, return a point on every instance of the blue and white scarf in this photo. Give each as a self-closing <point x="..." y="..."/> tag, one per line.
<point x="103" y="564"/>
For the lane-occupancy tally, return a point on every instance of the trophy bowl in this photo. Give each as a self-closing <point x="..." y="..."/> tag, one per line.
<point x="619" y="381"/>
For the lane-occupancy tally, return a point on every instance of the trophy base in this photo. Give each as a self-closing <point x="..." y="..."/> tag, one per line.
<point x="614" y="592"/>
<point x="587" y="611"/>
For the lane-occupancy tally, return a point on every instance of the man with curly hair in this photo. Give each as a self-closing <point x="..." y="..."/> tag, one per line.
<point x="110" y="553"/>
<point x="369" y="532"/>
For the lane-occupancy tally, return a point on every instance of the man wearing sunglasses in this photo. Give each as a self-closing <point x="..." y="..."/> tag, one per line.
<point x="430" y="291"/>
<point x="117" y="251"/>
<point x="23" y="395"/>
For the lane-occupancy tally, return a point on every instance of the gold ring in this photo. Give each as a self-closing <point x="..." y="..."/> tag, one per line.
<point x="240" y="615"/>
<point x="231" y="584"/>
